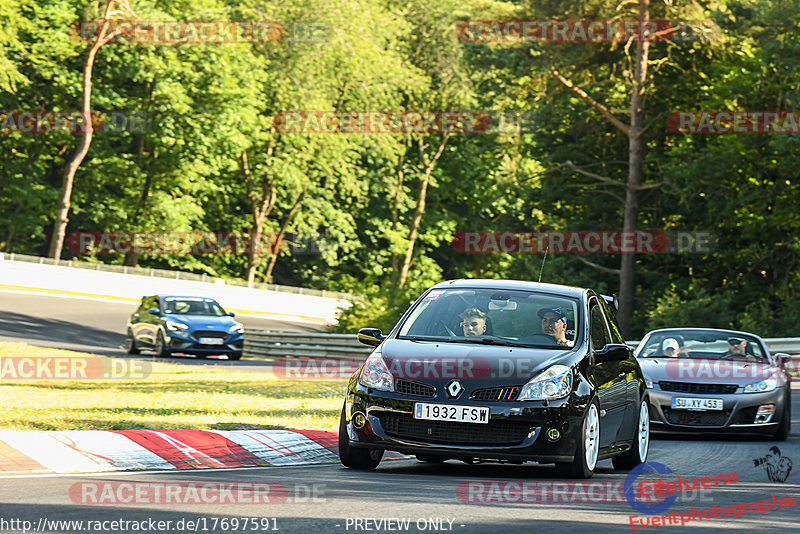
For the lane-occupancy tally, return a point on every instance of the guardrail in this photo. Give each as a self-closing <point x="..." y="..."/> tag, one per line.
<point x="174" y="275"/>
<point x="258" y="344"/>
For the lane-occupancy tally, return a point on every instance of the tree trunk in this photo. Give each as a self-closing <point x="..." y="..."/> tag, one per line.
<point x="395" y="216"/>
<point x="282" y="232"/>
<point x="420" y="209"/>
<point x="633" y="185"/>
<point x="68" y="176"/>
<point x="627" y="277"/>
<point x="261" y="209"/>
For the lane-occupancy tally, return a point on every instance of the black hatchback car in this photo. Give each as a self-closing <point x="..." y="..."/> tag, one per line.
<point x="170" y="324"/>
<point x="494" y="370"/>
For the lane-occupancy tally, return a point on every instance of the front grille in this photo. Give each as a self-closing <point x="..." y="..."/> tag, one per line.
<point x="197" y="334"/>
<point x="415" y="389"/>
<point x="493" y="433"/>
<point x="687" y="418"/>
<point x="495" y="394"/>
<point x="691" y="387"/>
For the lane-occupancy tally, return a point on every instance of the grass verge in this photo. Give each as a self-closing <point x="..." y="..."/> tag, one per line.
<point x="173" y="396"/>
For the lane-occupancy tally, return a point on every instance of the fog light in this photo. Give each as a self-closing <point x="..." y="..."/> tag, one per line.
<point x="359" y="420"/>
<point x="553" y="434"/>
<point x="764" y="413"/>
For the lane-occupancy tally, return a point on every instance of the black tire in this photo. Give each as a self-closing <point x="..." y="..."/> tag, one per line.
<point x="160" y="347"/>
<point x="579" y="467"/>
<point x="430" y="458"/>
<point x="353" y="457"/>
<point x="786" y="422"/>
<point x="235" y="356"/>
<point x="640" y="443"/>
<point x="130" y="343"/>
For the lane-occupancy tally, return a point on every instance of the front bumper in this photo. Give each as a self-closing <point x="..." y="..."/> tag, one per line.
<point x="738" y="412"/>
<point x="189" y="343"/>
<point x="516" y="431"/>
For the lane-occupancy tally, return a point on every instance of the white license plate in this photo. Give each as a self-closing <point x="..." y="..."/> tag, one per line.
<point x="450" y="412"/>
<point x="211" y="341"/>
<point x="703" y="405"/>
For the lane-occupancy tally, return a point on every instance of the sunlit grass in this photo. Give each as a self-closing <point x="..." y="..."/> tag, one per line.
<point x="172" y="396"/>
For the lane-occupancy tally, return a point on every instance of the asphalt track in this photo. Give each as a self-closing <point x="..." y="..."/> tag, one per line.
<point x="329" y="498"/>
<point x="97" y="326"/>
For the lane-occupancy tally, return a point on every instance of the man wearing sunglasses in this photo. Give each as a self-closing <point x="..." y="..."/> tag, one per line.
<point x="738" y="347"/>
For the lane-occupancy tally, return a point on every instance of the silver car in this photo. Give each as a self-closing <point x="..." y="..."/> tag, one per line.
<point x="710" y="380"/>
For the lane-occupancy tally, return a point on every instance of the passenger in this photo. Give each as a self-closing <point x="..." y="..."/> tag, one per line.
<point x="554" y="324"/>
<point x="474" y="322"/>
<point x="671" y="348"/>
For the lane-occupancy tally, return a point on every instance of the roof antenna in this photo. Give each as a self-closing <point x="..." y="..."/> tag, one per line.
<point x="543" y="260"/>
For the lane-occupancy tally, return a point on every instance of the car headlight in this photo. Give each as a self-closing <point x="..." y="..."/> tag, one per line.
<point x="174" y="325"/>
<point x="237" y="327"/>
<point x="648" y="383"/>
<point x="763" y="386"/>
<point x="376" y="375"/>
<point x="554" y="383"/>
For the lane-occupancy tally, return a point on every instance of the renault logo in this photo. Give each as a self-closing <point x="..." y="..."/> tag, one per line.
<point x="454" y="388"/>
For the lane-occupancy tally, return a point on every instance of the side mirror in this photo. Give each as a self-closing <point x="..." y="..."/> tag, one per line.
<point x="371" y="336"/>
<point x="153" y="311"/>
<point x="231" y="314"/>
<point x="781" y="359"/>
<point x="612" y="352"/>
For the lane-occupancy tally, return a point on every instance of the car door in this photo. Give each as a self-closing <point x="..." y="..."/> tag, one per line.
<point x="632" y="376"/>
<point x="608" y="376"/>
<point x="148" y="322"/>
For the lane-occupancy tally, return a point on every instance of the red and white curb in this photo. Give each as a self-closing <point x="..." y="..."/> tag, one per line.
<point x="77" y="451"/>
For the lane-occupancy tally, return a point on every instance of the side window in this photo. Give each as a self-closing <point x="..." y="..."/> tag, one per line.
<point x="611" y="315"/>
<point x="599" y="331"/>
<point x="152" y="302"/>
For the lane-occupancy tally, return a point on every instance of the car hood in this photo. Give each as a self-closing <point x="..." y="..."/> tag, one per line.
<point x="202" y="322"/>
<point x="440" y="362"/>
<point x="706" y="371"/>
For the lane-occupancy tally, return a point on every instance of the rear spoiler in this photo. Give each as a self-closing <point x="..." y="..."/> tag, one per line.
<point x="611" y="301"/>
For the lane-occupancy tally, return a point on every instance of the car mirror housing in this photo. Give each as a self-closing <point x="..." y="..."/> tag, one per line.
<point x="231" y="314"/>
<point x="371" y="336"/>
<point x="613" y="352"/>
<point x="781" y="359"/>
<point x="153" y="311"/>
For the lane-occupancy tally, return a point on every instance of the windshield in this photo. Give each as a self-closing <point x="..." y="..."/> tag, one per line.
<point x="701" y="344"/>
<point x="193" y="306"/>
<point x="491" y="316"/>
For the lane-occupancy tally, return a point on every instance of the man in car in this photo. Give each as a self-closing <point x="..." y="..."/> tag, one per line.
<point x="738" y="347"/>
<point x="474" y="322"/>
<point x="554" y="324"/>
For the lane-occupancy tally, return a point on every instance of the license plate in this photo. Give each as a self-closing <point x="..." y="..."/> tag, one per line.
<point x="703" y="405"/>
<point x="211" y="341"/>
<point x="450" y="412"/>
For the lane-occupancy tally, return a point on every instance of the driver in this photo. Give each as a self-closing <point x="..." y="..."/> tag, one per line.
<point x="474" y="322"/>
<point x="554" y="324"/>
<point x="738" y="347"/>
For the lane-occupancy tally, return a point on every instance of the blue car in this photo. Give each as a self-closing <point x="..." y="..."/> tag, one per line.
<point x="170" y="324"/>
